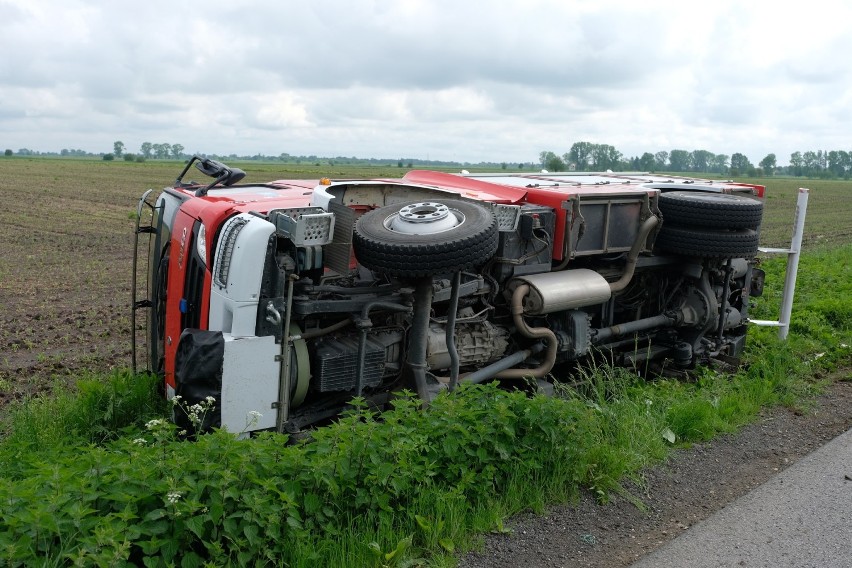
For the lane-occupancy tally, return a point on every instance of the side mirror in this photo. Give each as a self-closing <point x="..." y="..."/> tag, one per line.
<point x="222" y="173"/>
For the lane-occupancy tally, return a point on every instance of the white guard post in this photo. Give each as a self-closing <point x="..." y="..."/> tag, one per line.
<point x="783" y="324"/>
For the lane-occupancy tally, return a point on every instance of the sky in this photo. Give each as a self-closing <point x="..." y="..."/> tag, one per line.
<point x="459" y="80"/>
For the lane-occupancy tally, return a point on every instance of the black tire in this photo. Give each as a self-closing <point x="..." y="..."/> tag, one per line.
<point x="714" y="210"/>
<point x="405" y="255"/>
<point x="708" y="243"/>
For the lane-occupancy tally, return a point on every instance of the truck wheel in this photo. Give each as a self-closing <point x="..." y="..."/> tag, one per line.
<point x="717" y="210"/>
<point x="424" y="238"/>
<point x="707" y="242"/>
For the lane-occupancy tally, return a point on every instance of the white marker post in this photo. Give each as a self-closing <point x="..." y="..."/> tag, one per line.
<point x="783" y="324"/>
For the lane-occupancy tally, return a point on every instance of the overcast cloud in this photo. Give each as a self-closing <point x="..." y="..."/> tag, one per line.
<point x="440" y="79"/>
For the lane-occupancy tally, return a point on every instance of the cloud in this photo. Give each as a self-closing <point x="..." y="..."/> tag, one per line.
<point x="467" y="81"/>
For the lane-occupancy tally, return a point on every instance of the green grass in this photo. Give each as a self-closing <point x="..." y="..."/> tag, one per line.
<point x="96" y="410"/>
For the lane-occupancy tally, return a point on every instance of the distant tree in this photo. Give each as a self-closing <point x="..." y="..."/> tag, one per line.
<point x="810" y="163"/>
<point x="647" y="162"/>
<point x="845" y="161"/>
<point x="129" y="157"/>
<point x="580" y="155"/>
<point x="504" y="165"/>
<point x="177" y="151"/>
<point x="768" y="164"/>
<point x="8" y="152"/>
<point x="410" y="164"/>
<point x="740" y="164"/>
<point x="661" y="160"/>
<point x="118" y="148"/>
<point x="605" y="157"/>
<point x="701" y="160"/>
<point x="679" y="160"/>
<point x="554" y="163"/>
<point x="140" y="158"/>
<point x="720" y="163"/>
<point x="796" y="164"/>
<point x="545" y="156"/>
<point x="161" y="151"/>
<point x="398" y="164"/>
<point x="520" y="166"/>
<point x="145" y="149"/>
<point x="109" y="157"/>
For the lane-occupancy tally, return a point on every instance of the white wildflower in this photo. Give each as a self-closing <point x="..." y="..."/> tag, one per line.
<point x="252" y="417"/>
<point x="154" y="423"/>
<point x="196" y="409"/>
<point x="172" y="497"/>
<point x="210" y="400"/>
<point x="140" y="441"/>
<point x="177" y="398"/>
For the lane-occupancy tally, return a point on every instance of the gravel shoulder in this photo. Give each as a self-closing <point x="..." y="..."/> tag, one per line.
<point x="692" y="485"/>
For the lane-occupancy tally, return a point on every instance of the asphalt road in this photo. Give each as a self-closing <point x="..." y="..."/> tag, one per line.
<point x="800" y="518"/>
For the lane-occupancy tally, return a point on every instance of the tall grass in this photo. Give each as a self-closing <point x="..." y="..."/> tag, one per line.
<point x="94" y="411"/>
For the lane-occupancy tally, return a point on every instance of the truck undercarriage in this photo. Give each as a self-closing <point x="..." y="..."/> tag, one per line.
<point x="291" y="298"/>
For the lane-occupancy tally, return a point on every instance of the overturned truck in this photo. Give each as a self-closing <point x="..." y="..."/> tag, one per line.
<point x="289" y="298"/>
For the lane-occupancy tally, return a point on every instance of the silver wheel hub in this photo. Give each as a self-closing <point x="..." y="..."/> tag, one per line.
<point x="424" y="218"/>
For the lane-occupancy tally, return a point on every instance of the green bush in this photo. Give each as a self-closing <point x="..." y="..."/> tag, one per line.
<point x="219" y="499"/>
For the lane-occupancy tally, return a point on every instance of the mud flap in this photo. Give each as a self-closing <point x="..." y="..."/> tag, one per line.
<point x="198" y="374"/>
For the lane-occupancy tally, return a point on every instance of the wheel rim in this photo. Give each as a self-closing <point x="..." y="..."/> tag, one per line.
<point x="424" y="218"/>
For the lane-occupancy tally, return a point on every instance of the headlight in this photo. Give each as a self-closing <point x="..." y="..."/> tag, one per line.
<point x="201" y="244"/>
<point x="227" y="242"/>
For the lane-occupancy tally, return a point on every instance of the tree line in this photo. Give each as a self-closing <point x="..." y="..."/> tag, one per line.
<point x="588" y="157"/>
<point x="147" y="151"/>
<point x="582" y="157"/>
